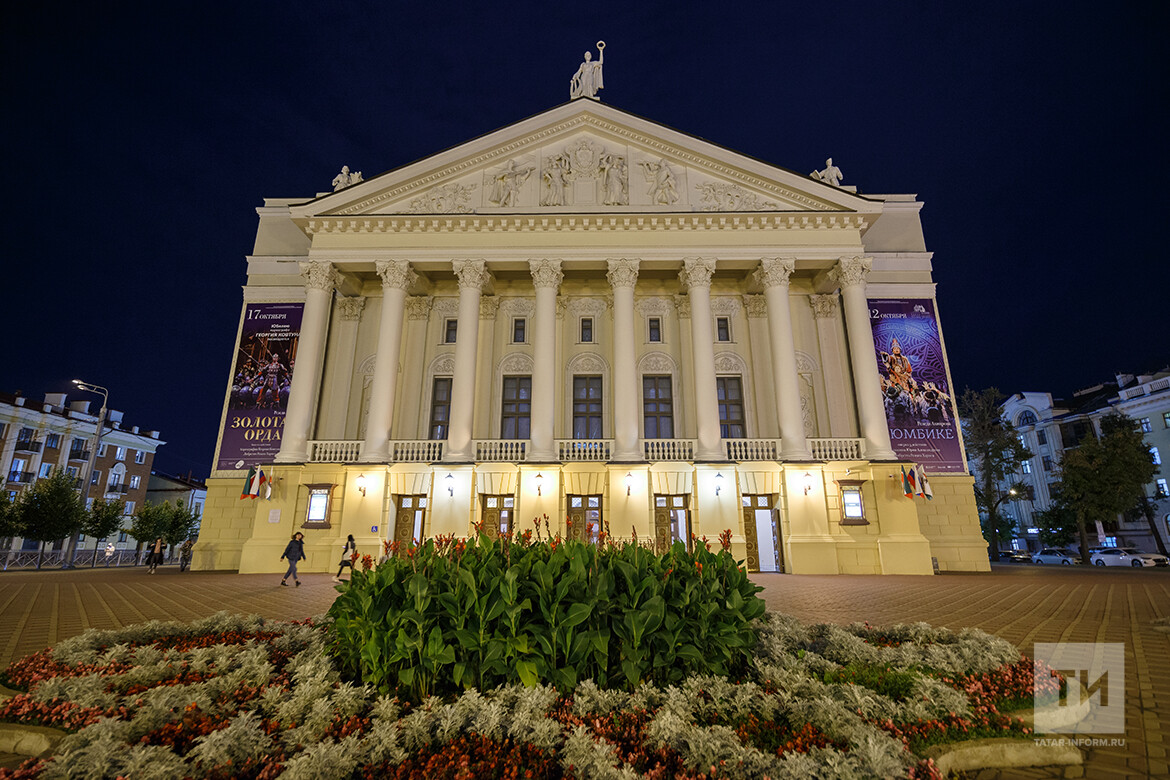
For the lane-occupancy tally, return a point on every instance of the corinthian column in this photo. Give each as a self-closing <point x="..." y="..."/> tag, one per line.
<point x="396" y="279"/>
<point x="623" y="274"/>
<point x="850" y="273"/>
<point x="773" y="274"/>
<point x="696" y="277"/>
<point x="546" y="277"/>
<point x="472" y="276"/>
<point x="320" y="279"/>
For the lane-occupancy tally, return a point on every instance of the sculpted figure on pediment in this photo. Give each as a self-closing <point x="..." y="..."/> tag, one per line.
<point x="444" y="199"/>
<point x="506" y="184"/>
<point x="556" y="168"/>
<point x="345" y="178"/>
<point x="830" y="175"/>
<point x="583" y="156"/>
<point x="721" y="196"/>
<point x="663" y="186"/>
<point x="587" y="80"/>
<point x="614" y="180"/>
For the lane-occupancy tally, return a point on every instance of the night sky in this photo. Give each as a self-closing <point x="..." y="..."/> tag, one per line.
<point x="139" y="139"/>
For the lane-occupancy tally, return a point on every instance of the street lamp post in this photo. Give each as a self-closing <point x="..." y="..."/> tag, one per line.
<point x="96" y="442"/>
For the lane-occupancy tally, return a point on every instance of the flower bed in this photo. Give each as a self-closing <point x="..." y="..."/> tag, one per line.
<point x="239" y="697"/>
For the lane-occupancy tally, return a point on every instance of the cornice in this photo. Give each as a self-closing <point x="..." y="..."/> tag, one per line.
<point x="559" y="223"/>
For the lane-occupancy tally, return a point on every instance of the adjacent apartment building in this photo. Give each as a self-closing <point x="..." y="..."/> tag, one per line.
<point x="593" y="318"/>
<point x="37" y="437"/>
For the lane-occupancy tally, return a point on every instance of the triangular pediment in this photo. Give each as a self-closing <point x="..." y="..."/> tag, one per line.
<point x="585" y="157"/>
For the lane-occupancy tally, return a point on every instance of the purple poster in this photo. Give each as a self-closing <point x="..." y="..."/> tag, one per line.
<point x="915" y="390"/>
<point x="261" y="375"/>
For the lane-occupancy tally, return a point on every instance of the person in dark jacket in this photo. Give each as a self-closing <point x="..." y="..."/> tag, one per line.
<point x="295" y="551"/>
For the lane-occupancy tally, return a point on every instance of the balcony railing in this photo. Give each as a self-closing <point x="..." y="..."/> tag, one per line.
<point x="668" y="449"/>
<point x="28" y="445"/>
<point x="752" y="449"/>
<point x="20" y="477"/>
<point x="501" y="450"/>
<point x="79" y="454"/>
<point x="837" y="449"/>
<point x="576" y="450"/>
<point x="582" y="450"/>
<point x="120" y="489"/>
<point x="334" y="451"/>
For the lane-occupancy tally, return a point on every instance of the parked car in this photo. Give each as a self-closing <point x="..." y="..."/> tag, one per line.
<point x="1016" y="556"/>
<point x="1126" y="556"/>
<point x="1059" y="555"/>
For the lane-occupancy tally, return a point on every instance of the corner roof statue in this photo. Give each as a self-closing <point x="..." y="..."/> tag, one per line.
<point x="830" y="175"/>
<point x="587" y="80"/>
<point x="345" y="178"/>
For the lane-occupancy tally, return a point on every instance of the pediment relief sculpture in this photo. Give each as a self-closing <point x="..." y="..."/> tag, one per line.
<point x="504" y="185"/>
<point x="451" y="198"/>
<point x="585" y="173"/>
<point x="721" y="196"/>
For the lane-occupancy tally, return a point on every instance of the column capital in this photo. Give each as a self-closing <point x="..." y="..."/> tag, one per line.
<point x="824" y="306"/>
<point x="682" y="305"/>
<point x="697" y="271"/>
<point x="318" y="275"/>
<point x="546" y="273"/>
<point x="488" y="306"/>
<point x="472" y="274"/>
<point x="395" y="273"/>
<point x="622" y="272"/>
<point x="418" y="307"/>
<point x="852" y="270"/>
<point x="351" y="306"/>
<point x="775" y="271"/>
<point x="755" y="305"/>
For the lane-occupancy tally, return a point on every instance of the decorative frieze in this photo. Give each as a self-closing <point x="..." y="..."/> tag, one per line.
<point x="656" y="363"/>
<point x="725" y="306"/>
<point x="654" y="307"/>
<point x="721" y="196"/>
<point x="517" y="307"/>
<point x="586" y="307"/>
<point x="556" y="223"/>
<point x="446" y="307"/>
<point x="517" y="363"/>
<point x="350" y="307"/>
<point x="443" y="365"/>
<point x="730" y="363"/>
<point x="451" y="198"/>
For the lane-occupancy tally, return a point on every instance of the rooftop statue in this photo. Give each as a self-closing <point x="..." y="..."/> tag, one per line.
<point x="587" y="80"/>
<point x="345" y="178"/>
<point x="830" y="175"/>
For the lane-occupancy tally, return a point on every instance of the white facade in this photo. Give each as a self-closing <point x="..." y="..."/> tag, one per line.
<point x="587" y="314"/>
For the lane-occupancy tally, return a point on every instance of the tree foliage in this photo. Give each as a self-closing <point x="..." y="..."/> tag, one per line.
<point x="1105" y="476"/>
<point x="174" y="523"/>
<point x="104" y="518"/>
<point x="997" y="452"/>
<point x="50" y="508"/>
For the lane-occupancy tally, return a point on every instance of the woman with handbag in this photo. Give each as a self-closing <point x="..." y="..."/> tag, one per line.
<point x="348" y="553"/>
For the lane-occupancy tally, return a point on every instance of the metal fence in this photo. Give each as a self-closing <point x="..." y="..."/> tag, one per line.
<point x="84" y="559"/>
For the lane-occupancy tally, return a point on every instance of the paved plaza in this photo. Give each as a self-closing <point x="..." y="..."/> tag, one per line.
<point x="1023" y="604"/>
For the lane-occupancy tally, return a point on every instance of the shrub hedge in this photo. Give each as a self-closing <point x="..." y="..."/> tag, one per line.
<point x="479" y="613"/>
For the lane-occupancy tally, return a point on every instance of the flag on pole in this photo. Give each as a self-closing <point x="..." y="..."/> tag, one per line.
<point x="253" y="483"/>
<point x="912" y="478"/>
<point x="267" y="488"/>
<point x="907" y="488"/>
<point x="924" y="485"/>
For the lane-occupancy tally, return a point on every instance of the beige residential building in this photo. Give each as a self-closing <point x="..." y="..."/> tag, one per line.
<point x="595" y="318"/>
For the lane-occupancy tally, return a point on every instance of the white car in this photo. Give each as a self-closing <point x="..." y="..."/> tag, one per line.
<point x="1060" y="555"/>
<point x="1127" y="556"/>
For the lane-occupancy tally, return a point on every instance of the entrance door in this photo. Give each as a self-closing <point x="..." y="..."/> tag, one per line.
<point x="497" y="515"/>
<point x="763" y="538"/>
<point x="672" y="521"/>
<point x="585" y="518"/>
<point x="410" y="520"/>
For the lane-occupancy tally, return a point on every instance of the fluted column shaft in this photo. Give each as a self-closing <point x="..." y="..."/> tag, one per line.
<point x="696" y="277"/>
<point x="623" y="275"/>
<point x="396" y="278"/>
<point x="774" y="274"/>
<point x="546" y="277"/>
<point x="472" y="276"/>
<point x="850" y="273"/>
<point x="320" y="279"/>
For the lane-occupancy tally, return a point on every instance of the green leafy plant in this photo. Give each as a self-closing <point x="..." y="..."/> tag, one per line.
<point x="455" y="614"/>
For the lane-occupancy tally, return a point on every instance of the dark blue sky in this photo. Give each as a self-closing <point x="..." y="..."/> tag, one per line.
<point x="139" y="138"/>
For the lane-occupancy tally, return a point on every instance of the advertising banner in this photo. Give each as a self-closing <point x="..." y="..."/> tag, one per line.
<point x="918" y="398"/>
<point x="261" y="376"/>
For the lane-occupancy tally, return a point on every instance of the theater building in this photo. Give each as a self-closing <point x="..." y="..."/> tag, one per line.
<point x="599" y="319"/>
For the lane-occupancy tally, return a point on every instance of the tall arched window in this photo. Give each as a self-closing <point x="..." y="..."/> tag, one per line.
<point x="1026" y="418"/>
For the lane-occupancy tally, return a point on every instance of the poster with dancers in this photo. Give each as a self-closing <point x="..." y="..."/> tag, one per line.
<point x="261" y="378"/>
<point x="917" y="395"/>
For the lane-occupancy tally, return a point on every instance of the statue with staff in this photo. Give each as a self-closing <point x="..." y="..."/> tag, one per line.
<point x="587" y="80"/>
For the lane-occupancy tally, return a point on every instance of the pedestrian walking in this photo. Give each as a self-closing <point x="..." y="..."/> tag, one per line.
<point x="185" y="554"/>
<point x="348" y="553"/>
<point x="295" y="551"/>
<point x="156" y="554"/>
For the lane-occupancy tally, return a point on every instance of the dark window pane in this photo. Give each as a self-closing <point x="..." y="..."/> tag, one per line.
<point x="587" y="330"/>
<point x="440" y="407"/>
<point x="452" y="328"/>
<point x="655" y="329"/>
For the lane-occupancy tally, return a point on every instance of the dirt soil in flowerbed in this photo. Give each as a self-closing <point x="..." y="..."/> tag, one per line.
<point x="240" y="697"/>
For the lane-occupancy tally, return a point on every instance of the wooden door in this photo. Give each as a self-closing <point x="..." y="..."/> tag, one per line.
<point x="749" y="536"/>
<point x="661" y="528"/>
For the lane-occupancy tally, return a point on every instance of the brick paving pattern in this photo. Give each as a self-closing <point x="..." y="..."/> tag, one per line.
<point x="1023" y="604"/>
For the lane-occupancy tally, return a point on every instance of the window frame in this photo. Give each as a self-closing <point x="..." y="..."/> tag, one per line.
<point x="654" y="330"/>
<point x="320" y="503"/>
<point x="585" y="408"/>
<point x="436" y="404"/>
<point x="450" y="330"/>
<point x="520" y="412"/>
<point x="582" y="324"/>
<point x="723" y="330"/>
<point x="658" y="414"/>
<point x="519" y="330"/>
<point x="726" y="423"/>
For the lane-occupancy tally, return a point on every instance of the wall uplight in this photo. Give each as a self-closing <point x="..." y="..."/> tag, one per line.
<point x="361" y="484"/>
<point x="450" y="480"/>
<point x="808" y="482"/>
<point x="718" y="483"/>
<point x="539" y="482"/>
<point x="629" y="481"/>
